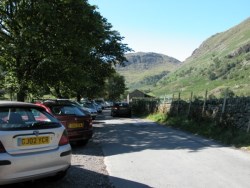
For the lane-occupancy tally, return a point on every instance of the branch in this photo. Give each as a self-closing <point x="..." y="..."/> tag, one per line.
<point x="4" y="33"/>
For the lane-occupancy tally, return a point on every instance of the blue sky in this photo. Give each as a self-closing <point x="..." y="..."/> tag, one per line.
<point x="171" y="27"/>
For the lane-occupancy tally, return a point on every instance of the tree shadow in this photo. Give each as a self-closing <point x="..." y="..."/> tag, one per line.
<point x="133" y="135"/>
<point x="78" y="177"/>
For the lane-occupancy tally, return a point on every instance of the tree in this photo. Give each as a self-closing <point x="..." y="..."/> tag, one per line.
<point x="53" y="45"/>
<point x="115" y="87"/>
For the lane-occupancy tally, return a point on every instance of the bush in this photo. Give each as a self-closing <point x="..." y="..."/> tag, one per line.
<point x="158" y="117"/>
<point x="227" y="92"/>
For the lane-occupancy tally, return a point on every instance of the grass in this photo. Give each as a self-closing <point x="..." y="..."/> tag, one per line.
<point x="158" y="117"/>
<point x="232" y="137"/>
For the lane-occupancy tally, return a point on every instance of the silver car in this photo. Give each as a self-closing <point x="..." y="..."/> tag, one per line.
<point x="33" y="144"/>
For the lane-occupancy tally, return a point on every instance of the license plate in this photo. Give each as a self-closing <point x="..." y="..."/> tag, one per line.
<point x="75" y="125"/>
<point x="30" y="141"/>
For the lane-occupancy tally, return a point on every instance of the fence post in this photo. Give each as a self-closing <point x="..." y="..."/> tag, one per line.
<point x="248" y="128"/>
<point x="204" y="104"/>
<point x="223" y="106"/>
<point x="179" y="96"/>
<point x="190" y="102"/>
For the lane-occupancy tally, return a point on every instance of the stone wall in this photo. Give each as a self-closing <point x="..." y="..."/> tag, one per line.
<point x="233" y="112"/>
<point x="229" y="112"/>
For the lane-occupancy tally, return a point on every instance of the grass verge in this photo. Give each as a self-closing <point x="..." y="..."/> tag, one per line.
<point x="207" y="129"/>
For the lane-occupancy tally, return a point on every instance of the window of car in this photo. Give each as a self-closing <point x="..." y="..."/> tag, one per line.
<point x="17" y="118"/>
<point x="66" y="110"/>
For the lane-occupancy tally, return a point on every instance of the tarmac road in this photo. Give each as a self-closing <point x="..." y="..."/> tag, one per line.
<point x="140" y="153"/>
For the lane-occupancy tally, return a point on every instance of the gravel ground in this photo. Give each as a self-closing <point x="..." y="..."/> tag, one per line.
<point x="87" y="169"/>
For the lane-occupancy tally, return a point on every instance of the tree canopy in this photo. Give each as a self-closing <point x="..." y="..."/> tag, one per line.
<point x="115" y="87"/>
<point x="61" y="47"/>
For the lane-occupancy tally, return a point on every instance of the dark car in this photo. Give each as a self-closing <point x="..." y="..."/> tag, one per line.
<point x="121" y="109"/>
<point x="77" y="123"/>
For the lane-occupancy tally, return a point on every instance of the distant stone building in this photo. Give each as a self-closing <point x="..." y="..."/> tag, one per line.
<point x="137" y="94"/>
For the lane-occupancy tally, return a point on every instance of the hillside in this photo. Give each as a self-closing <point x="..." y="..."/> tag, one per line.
<point x="222" y="61"/>
<point x="144" y="70"/>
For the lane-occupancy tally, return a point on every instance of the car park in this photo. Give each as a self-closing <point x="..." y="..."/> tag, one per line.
<point x="77" y="123"/>
<point x="92" y="105"/>
<point x="100" y="102"/>
<point x="98" y="107"/>
<point x="33" y="144"/>
<point x="91" y="111"/>
<point x="109" y="104"/>
<point x="121" y="109"/>
<point x="87" y="109"/>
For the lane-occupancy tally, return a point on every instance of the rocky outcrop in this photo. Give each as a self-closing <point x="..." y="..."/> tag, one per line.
<point x="239" y="51"/>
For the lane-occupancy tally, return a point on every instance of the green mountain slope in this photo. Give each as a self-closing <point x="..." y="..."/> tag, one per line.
<point x="144" y="70"/>
<point x="222" y="61"/>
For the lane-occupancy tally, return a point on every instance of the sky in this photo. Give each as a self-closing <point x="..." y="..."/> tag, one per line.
<point x="171" y="27"/>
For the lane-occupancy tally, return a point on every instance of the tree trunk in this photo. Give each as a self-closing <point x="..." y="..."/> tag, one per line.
<point x="21" y="95"/>
<point x="58" y="93"/>
<point x="78" y="98"/>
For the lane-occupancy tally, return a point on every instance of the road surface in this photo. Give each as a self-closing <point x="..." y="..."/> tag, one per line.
<point x="140" y="153"/>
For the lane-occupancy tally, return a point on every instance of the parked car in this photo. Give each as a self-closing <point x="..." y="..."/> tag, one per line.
<point x="91" y="111"/>
<point x="100" y="102"/>
<point x="86" y="109"/>
<point x="77" y="123"/>
<point x="109" y="104"/>
<point x="92" y="105"/>
<point x="121" y="109"/>
<point x="33" y="144"/>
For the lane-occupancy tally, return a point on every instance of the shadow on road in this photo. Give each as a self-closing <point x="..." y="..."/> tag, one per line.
<point x="79" y="178"/>
<point x="133" y="135"/>
<point x="79" y="174"/>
